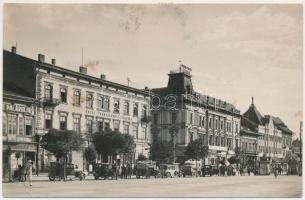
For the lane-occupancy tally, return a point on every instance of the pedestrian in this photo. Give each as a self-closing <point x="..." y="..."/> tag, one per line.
<point x="29" y="172"/>
<point x="241" y="170"/>
<point x="275" y="172"/>
<point x="280" y="170"/>
<point x="249" y="171"/>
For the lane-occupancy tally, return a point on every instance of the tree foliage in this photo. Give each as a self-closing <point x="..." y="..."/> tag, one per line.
<point x="113" y="143"/>
<point x="60" y="142"/>
<point x="161" y="151"/>
<point x="196" y="150"/>
<point x="90" y="154"/>
<point x="141" y="157"/>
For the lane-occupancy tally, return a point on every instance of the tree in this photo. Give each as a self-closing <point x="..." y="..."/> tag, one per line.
<point x="161" y="151"/>
<point x="90" y="154"/>
<point x="196" y="150"/>
<point x="113" y="143"/>
<point x="61" y="142"/>
<point x="141" y="157"/>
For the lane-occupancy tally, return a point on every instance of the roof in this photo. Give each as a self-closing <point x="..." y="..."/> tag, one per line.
<point x="9" y="95"/>
<point x="245" y="130"/>
<point x="253" y="115"/>
<point x="74" y="73"/>
<point x="278" y="123"/>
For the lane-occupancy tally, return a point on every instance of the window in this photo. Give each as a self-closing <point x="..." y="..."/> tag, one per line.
<point x="174" y="118"/>
<point x="76" y="123"/>
<point x="155" y="118"/>
<point x="89" y="100"/>
<point x="21" y="126"/>
<point x="135" y="109"/>
<point x="223" y="142"/>
<point x="211" y="142"/>
<point x="217" y="142"/>
<point x="210" y="122"/>
<point x="4" y="123"/>
<point x="116" y="106"/>
<point x="107" y="126"/>
<point x="89" y="125"/>
<point x="62" y="122"/>
<point x="48" y="120"/>
<point x="191" y="137"/>
<point x="191" y="118"/>
<point x="48" y="92"/>
<point x="236" y="128"/>
<point x="144" y="132"/>
<point x="126" y="108"/>
<point x="100" y="126"/>
<point x="216" y="124"/>
<point x="116" y="124"/>
<point x="126" y="128"/>
<point x="77" y="97"/>
<point x="103" y="103"/>
<point x="12" y="124"/>
<point x="202" y="121"/>
<point x="221" y="125"/>
<point x="63" y="95"/>
<point x="28" y="126"/>
<point x="135" y="131"/>
<point x="144" y="111"/>
<point x="228" y="127"/>
<point x="229" y="143"/>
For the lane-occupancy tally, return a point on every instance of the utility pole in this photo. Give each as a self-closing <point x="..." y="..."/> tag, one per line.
<point x="301" y="144"/>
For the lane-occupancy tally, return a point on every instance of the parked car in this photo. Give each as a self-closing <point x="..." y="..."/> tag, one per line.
<point x="57" y="170"/>
<point x="171" y="170"/>
<point x="103" y="170"/>
<point x="207" y="170"/>
<point x="146" y="169"/>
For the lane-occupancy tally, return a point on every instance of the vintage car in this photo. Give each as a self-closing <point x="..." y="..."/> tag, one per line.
<point x="146" y="169"/>
<point x="63" y="170"/>
<point x="171" y="170"/>
<point x="103" y="170"/>
<point x="207" y="170"/>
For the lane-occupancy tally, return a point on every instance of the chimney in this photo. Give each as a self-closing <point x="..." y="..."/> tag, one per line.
<point x="41" y="58"/>
<point x="53" y="61"/>
<point x="14" y="49"/>
<point x="103" y="76"/>
<point x="83" y="70"/>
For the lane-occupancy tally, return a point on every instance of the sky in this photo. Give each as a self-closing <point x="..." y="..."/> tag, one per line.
<point x="236" y="51"/>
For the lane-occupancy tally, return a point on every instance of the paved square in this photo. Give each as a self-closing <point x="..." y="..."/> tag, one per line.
<point x="240" y="186"/>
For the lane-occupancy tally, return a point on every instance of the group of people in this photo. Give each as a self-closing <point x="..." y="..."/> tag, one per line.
<point x="123" y="171"/>
<point x="235" y="171"/>
<point x="25" y="173"/>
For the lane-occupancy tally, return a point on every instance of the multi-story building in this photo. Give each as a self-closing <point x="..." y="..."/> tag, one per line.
<point x="180" y="115"/>
<point x="73" y="100"/>
<point x="274" y="137"/>
<point x="18" y="136"/>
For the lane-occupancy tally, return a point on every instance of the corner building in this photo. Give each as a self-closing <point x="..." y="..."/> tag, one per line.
<point x="69" y="100"/>
<point x="180" y="115"/>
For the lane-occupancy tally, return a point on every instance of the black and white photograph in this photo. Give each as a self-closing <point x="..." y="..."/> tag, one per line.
<point x="157" y="99"/>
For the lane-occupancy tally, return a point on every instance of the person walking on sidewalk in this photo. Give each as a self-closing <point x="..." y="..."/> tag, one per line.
<point x="29" y="172"/>
<point x="275" y="171"/>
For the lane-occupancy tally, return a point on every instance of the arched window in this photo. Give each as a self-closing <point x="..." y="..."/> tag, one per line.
<point x="63" y="95"/>
<point x="89" y="102"/>
<point x="77" y="98"/>
<point x="48" y="92"/>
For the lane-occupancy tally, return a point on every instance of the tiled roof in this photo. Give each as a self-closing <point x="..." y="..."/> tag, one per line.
<point x="253" y="115"/>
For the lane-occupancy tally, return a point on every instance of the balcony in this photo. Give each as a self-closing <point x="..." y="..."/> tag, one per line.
<point x="50" y="102"/>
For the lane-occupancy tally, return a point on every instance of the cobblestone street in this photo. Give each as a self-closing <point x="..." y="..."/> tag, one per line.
<point x="240" y="186"/>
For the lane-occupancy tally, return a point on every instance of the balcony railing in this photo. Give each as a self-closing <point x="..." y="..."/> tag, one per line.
<point x="50" y="102"/>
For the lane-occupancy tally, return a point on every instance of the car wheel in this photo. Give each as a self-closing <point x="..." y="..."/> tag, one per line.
<point x="51" y="177"/>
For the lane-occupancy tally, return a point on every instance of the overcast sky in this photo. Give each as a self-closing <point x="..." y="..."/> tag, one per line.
<point x="235" y="51"/>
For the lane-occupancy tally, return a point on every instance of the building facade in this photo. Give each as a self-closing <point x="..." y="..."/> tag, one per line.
<point x="69" y="100"/>
<point x="274" y="137"/>
<point x="180" y="115"/>
<point x="18" y="128"/>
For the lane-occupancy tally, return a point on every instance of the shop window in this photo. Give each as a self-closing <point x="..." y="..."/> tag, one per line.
<point x="116" y="125"/>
